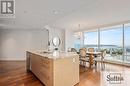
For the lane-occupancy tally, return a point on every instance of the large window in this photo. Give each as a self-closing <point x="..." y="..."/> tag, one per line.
<point x="111" y="41"/>
<point x="91" y="39"/>
<point x="77" y="44"/>
<point x="115" y="40"/>
<point x="127" y="43"/>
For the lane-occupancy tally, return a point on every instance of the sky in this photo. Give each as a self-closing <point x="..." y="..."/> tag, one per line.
<point x="109" y="37"/>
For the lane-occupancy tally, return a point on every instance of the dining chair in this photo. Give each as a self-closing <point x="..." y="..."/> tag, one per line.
<point x="90" y="49"/>
<point x="84" y="48"/>
<point x="103" y="54"/>
<point x="73" y="50"/>
<point x="101" y="59"/>
<point x="83" y="56"/>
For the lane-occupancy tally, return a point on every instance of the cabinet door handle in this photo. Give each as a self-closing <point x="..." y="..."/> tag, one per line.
<point x="74" y="60"/>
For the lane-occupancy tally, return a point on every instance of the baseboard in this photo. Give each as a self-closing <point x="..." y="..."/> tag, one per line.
<point x="117" y="63"/>
<point x="12" y="60"/>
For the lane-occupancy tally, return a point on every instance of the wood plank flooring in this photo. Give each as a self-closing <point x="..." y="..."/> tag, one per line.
<point x="14" y="74"/>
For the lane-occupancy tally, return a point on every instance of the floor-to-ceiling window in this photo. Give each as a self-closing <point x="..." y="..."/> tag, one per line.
<point x="111" y="41"/>
<point x="91" y="39"/>
<point x="78" y="40"/>
<point x="77" y="44"/>
<point x="127" y="43"/>
<point x="115" y="40"/>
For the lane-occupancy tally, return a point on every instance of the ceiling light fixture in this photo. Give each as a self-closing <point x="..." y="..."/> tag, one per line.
<point x="55" y="12"/>
<point x="78" y="34"/>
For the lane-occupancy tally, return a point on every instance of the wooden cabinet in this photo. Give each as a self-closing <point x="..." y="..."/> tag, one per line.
<point x="42" y="68"/>
<point x="55" y="72"/>
<point x="66" y="72"/>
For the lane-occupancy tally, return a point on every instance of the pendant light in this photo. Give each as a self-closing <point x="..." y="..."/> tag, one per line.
<point x="79" y="33"/>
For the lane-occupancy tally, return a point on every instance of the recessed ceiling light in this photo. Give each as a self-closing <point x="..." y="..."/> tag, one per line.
<point x="25" y="11"/>
<point x="55" y="12"/>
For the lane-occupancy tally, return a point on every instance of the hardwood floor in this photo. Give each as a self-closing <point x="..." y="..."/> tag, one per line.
<point x="14" y="74"/>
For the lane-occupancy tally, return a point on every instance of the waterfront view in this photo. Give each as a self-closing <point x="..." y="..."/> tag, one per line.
<point x="113" y="52"/>
<point x="114" y="40"/>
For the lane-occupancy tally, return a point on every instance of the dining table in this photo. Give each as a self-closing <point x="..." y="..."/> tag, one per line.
<point x="93" y="55"/>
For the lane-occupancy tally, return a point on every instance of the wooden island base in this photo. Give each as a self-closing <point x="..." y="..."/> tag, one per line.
<point x="58" y="70"/>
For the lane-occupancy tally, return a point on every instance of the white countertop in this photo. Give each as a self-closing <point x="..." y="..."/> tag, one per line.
<point x="55" y="54"/>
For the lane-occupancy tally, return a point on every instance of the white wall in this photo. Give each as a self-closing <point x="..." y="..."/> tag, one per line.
<point x="15" y="42"/>
<point x="69" y="39"/>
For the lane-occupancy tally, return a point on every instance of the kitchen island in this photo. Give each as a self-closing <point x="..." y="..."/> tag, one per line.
<point x="54" y="68"/>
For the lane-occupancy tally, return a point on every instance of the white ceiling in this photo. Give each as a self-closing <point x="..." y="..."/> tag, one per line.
<point x="67" y="14"/>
